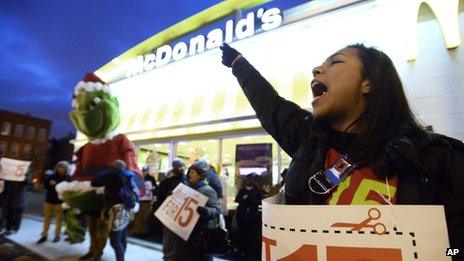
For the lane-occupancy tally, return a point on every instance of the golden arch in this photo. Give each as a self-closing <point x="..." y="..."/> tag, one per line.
<point x="446" y="13"/>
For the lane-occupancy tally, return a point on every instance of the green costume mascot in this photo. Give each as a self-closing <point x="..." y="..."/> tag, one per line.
<point x="96" y="114"/>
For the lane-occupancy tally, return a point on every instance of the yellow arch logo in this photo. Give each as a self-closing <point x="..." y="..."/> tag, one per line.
<point x="446" y="13"/>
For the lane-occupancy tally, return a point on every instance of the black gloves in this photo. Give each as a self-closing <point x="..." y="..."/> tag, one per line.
<point x="228" y="54"/>
<point x="202" y="211"/>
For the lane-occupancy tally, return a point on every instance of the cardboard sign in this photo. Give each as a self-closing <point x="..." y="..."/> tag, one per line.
<point x="178" y="211"/>
<point x="349" y="232"/>
<point x="148" y="196"/>
<point x="14" y="170"/>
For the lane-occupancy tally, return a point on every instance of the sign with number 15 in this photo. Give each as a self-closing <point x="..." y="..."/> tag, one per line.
<point x="178" y="211"/>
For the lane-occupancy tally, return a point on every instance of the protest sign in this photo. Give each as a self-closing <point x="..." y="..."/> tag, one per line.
<point x="353" y="232"/>
<point x="12" y="169"/>
<point x="148" y="196"/>
<point x="178" y="211"/>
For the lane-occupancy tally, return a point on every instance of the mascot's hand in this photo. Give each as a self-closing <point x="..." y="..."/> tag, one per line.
<point x="229" y="55"/>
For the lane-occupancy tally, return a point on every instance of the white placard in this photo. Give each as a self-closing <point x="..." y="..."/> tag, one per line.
<point x="350" y="232"/>
<point x="178" y="211"/>
<point x="148" y="196"/>
<point x="12" y="169"/>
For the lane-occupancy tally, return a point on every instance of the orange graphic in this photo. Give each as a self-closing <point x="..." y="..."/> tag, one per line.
<point x="373" y="214"/>
<point x="362" y="253"/>
<point x="304" y="253"/>
<point x="267" y="245"/>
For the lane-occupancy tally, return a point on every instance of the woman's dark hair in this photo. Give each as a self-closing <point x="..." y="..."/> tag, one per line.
<point x="387" y="114"/>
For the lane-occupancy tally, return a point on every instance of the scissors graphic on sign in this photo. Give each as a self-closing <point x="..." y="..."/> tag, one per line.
<point x="373" y="214"/>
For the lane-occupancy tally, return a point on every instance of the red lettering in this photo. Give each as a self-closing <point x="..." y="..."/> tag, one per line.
<point x="190" y="211"/>
<point x="181" y="208"/>
<point x="363" y="253"/>
<point x="267" y="245"/>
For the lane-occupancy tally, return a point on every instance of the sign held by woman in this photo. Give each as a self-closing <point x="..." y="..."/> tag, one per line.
<point x="178" y="211"/>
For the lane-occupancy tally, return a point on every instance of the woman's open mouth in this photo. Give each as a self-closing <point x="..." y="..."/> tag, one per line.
<point x="318" y="89"/>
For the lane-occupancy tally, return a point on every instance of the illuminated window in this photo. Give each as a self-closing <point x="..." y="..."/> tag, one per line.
<point x="14" y="152"/>
<point x="27" y="151"/>
<point x="192" y="150"/>
<point x="30" y="133"/>
<point x="154" y="156"/>
<point x="18" y="131"/>
<point x="2" y="148"/>
<point x="6" y="128"/>
<point x="41" y="134"/>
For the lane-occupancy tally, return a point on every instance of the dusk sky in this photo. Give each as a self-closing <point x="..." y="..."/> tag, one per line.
<point x="47" y="46"/>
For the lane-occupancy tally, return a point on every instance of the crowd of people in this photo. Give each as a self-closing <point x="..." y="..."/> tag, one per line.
<point x="116" y="219"/>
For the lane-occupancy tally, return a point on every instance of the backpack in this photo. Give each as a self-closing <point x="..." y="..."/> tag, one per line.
<point x="127" y="195"/>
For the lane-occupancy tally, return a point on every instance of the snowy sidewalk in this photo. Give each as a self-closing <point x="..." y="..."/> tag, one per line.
<point x="31" y="227"/>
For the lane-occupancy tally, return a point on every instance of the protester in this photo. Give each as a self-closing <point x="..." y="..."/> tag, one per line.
<point x="181" y="249"/>
<point x="223" y="201"/>
<point x="173" y="177"/>
<point x="52" y="204"/>
<point x="115" y="210"/>
<point x="361" y="119"/>
<point x="248" y="217"/>
<point x="210" y="176"/>
<point x="138" y="225"/>
<point x="14" y="203"/>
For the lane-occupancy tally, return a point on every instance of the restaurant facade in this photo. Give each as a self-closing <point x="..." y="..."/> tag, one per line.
<point x="178" y="100"/>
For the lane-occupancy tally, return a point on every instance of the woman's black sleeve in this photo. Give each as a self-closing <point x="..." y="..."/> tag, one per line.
<point x="284" y="120"/>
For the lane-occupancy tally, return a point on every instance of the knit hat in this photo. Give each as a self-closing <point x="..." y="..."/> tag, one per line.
<point x="63" y="164"/>
<point x="177" y="163"/>
<point x="198" y="167"/>
<point x="119" y="164"/>
<point x="201" y="163"/>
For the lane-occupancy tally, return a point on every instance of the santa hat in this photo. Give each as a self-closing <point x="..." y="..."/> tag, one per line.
<point x="92" y="77"/>
<point x="90" y="83"/>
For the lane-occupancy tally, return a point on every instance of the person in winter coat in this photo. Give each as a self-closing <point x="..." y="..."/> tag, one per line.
<point x="210" y="176"/>
<point x="114" y="211"/>
<point x="223" y="201"/>
<point x="14" y="203"/>
<point x="172" y="178"/>
<point x="362" y="125"/>
<point x="183" y="250"/>
<point x="248" y="217"/>
<point x="138" y="226"/>
<point x="52" y="204"/>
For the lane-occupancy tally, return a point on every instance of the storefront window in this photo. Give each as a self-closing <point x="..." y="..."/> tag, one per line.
<point x="154" y="156"/>
<point x="265" y="165"/>
<point x="193" y="150"/>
